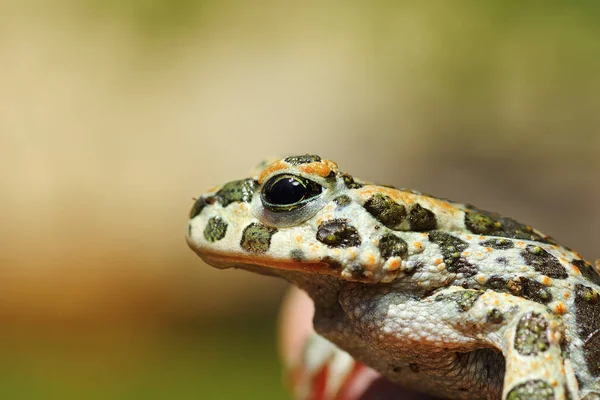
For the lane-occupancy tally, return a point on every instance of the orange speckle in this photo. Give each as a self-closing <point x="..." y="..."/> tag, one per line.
<point x="488" y="249"/>
<point x="482" y="237"/>
<point x="366" y="192"/>
<point x="394" y="265"/>
<point x="560" y="308"/>
<point x="496" y="302"/>
<point x="520" y="244"/>
<point x="547" y="374"/>
<point x="322" y="168"/>
<point x="546" y="281"/>
<point x="395" y="194"/>
<point x="469" y="237"/>
<point x="240" y="210"/>
<point x="437" y="261"/>
<point x="466" y="253"/>
<point x="371" y="259"/>
<point x="567" y="295"/>
<point x="575" y="270"/>
<point x="418" y="245"/>
<point x="564" y="260"/>
<point x="273" y="167"/>
<point x="447" y="206"/>
<point x="481" y="279"/>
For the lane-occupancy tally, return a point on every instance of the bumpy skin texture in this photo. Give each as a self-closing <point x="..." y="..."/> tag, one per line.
<point x="437" y="296"/>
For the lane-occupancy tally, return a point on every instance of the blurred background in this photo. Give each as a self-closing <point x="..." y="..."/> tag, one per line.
<point x="115" y="113"/>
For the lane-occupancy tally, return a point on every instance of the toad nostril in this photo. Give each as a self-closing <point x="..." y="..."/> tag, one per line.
<point x="210" y="200"/>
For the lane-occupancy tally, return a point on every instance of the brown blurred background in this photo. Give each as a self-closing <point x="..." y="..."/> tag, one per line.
<point x="114" y="114"/>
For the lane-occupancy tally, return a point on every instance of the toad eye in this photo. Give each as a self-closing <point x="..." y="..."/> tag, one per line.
<point x="288" y="192"/>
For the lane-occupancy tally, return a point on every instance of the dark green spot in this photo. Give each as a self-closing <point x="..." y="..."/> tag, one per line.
<point x="587" y="271"/>
<point x="257" y="238"/>
<point x="587" y="311"/>
<point x="495" y="316"/>
<point x="451" y="248"/>
<point x="237" y="191"/>
<point x="533" y="290"/>
<point x="521" y="287"/>
<point x="464" y="299"/>
<point x="492" y="224"/>
<point x="421" y="219"/>
<point x="544" y="262"/>
<point x="591" y="349"/>
<point x="350" y="182"/>
<point x="338" y="233"/>
<point x="304" y="159"/>
<point x="481" y="224"/>
<point x="531" y="336"/>
<point x="531" y="390"/>
<point x="297" y="255"/>
<point x="498" y="243"/>
<point x="342" y="201"/>
<point x="215" y="229"/>
<point x="386" y="210"/>
<point x="498" y="284"/>
<point x="391" y="245"/>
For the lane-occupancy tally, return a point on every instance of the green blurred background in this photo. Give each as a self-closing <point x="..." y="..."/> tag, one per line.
<point x="114" y="114"/>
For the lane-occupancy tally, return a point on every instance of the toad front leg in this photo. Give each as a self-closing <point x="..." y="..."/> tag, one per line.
<point x="460" y="343"/>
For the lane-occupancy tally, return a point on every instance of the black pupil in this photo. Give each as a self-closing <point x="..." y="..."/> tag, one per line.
<point x="285" y="191"/>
